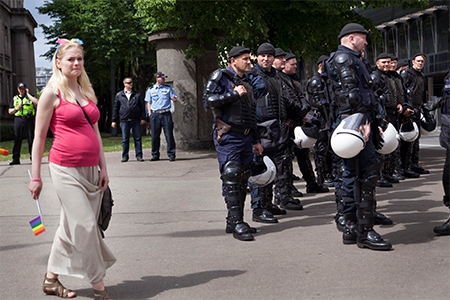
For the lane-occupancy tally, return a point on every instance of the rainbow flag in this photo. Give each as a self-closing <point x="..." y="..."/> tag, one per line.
<point x="37" y="226"/>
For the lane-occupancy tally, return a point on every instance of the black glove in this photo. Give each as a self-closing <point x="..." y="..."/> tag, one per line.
<point x="381" y="122"/>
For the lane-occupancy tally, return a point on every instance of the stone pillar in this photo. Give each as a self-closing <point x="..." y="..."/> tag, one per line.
<point x="192" y="122"/>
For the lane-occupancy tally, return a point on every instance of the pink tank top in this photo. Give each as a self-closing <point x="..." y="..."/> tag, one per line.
<point x="75" y="143"/>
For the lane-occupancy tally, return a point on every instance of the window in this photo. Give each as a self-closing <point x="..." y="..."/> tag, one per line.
<point x="442" y="21"/>
<point x="391" y="40"/>
<point x="403" y="42"/>
<point x="416" y="36"/>
<point x="429" y="36"/>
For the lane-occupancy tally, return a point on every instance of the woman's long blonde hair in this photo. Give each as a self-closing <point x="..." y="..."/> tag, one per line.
<point x="59" y="82"/>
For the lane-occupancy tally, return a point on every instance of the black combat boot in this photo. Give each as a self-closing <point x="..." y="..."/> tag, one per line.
<point x="295" y="192"/>
<point x="271" y="207"/>
<point x="443" y="229"/>
<point x="243" y="192"/>
<point x="260" y="213"/>
<point x="264" y="216"/>
<point x="406" y="164"/>
<point x="288" y="202"/>
<point x="369" y="238"/>
<point x="366" y="237"/>
<point x="235" y="224"/>
<point x="339" y="218"/>
<point x="314" y="187"/>
<point x="349" y="232"/>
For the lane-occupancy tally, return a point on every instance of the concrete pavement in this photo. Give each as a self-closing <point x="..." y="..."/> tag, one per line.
<point x="167" y="232"/>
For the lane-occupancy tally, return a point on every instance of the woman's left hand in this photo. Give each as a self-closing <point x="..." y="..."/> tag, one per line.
<point x="103" y="180"/>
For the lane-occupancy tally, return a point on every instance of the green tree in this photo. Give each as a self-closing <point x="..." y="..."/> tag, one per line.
<point x="115" y="42"/>
<point x="309" y="28"/>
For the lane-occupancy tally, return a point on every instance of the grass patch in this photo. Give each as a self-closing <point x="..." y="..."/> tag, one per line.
<point x="110" y="144"/>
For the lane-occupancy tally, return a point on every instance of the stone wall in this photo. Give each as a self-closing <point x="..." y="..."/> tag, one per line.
<point x="188" y="78"/>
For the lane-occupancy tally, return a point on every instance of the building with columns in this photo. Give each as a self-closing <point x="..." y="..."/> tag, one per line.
<point x="17" y="63"/>
<point x="407" y="32"/>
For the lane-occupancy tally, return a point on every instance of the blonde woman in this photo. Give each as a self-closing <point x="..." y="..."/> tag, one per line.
<point x="78" y="172"/>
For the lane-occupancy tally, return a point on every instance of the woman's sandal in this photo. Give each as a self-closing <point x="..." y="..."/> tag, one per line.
<point x="102" y="295"/>
<point x="52" y="286"/>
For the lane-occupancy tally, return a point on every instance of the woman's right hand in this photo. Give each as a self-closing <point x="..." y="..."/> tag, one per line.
<point x="35" y="188"/>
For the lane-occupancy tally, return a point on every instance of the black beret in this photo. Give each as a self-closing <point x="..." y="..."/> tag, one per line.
<point x="352" y="28"/>
<point x="266" y="48"/>
<point x="402" y="63"/>
<point x="384" y="55"/>
<point x="279" y="52"/>
<point x="394" y="57"/>
<point x="290" y="56"/>
<point x="238" y="50"/>
<point x="322" y="58"/>
<point x="419" y="54"/>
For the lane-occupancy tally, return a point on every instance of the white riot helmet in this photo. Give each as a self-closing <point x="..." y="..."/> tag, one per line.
<point x="390" y="140"/>
<point x="347" y="139"/>
<point x="262" y="172"/>
<point x="408" y="131"/>
<point x="427" y="123"/>
<point x="302" y="139"/>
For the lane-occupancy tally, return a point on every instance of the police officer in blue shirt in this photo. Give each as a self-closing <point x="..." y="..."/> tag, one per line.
<point x="229" y="95"/>
<point x="159" y="100"/>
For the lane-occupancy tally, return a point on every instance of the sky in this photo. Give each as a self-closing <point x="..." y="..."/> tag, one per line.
<point x="39" y="45"/>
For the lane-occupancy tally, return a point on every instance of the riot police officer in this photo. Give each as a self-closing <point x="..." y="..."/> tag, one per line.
<point x="320" y="106"/>
<point x="297" y="118"/>
<point x="416" y="84"/>
<point x="444" y="140"/>
<point x="353" y="94"/>
<point x="229" y="95"/>
<point x="271" y="116"/>
<point x="23" y="108"/>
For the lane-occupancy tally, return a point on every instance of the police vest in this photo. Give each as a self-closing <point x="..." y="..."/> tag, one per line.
<point x="242" y="113"/>
<point x="27" y="109"/>
<point x="270" y="104"/>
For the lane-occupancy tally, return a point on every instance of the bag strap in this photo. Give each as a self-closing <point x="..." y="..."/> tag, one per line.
<point x="85" y="114"/>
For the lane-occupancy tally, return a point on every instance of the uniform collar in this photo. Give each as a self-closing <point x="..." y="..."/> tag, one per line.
<point x="344" y="48"/>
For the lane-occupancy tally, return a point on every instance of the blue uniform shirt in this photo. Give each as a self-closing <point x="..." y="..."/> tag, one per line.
<point x="160" y="96"/>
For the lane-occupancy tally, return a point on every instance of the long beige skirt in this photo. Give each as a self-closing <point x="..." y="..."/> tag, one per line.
<point x="78" y="248"/>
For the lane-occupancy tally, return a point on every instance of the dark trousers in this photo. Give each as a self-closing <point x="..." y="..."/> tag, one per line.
<point x="159" y="122"/>
<point x="446" y="175"/>
<point x="367" y="158"/>
<point x="20" y="125"/>
<point x="258" y="194"/>
<point x="233" y="147"/>
<point x="135" y="127"/>
<point x="305" y="166"/>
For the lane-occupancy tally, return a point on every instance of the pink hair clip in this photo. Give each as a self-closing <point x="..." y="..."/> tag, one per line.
<point x="61" y="41"/>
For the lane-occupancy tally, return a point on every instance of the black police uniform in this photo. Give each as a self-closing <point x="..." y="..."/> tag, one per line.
<point x="320" y="106"/>
<point x="271" y="116"/>
<point x="295" y="118"/>
<point x="234" y="134"/>
<point x="416" y="84"/>
<point x="354" y="94"/>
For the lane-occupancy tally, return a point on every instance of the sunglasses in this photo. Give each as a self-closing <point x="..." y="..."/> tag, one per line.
<point x="129" y="82"/>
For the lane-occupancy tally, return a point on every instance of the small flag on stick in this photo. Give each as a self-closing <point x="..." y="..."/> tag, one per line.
<point x="37" y="226"/>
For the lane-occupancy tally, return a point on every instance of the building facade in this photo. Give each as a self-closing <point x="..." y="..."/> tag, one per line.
<point x="17" y="63"/>
<point x="408" y="32"/>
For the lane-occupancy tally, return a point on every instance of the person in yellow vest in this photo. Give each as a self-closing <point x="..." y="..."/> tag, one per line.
<point x="23" y="108"/>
